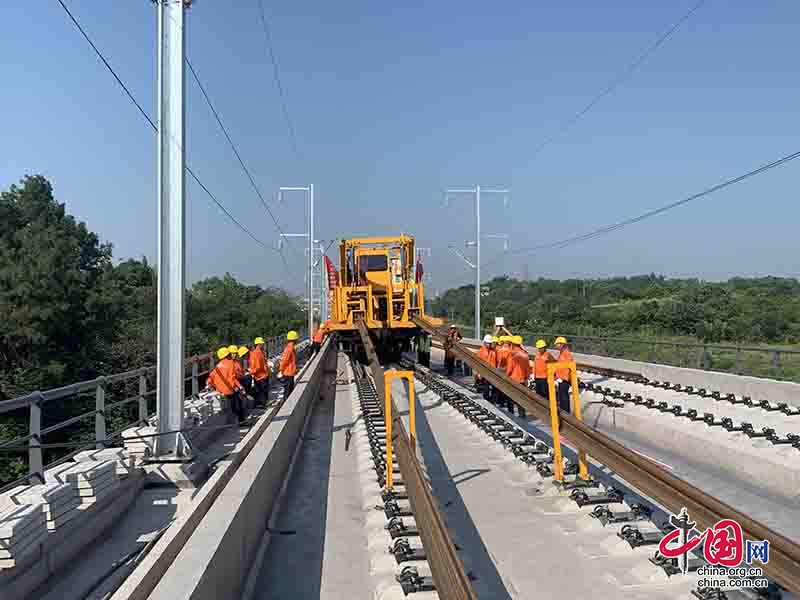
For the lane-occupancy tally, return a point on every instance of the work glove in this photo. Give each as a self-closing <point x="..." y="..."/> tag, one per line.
<point x="558" y="381"/>
<point x="280" y="374"/>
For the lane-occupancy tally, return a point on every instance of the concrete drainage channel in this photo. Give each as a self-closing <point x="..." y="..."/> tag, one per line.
<point x="397" y="559"/>
<point x="636" y="523"/>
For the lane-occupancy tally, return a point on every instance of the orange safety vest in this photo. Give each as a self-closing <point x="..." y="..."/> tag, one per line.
<point x="223" y="378"/>
<point x="483" y="353"/>
<point x="259" y="368"/>
<point x="540" y="364"/>
<point x="502" y="356"/>
<point x="519" y="367"/>
<point x="492" y="360"/>
<point x="289" y="361"/>
<point x="564" y="356"/>
<point x="319" y="335"/>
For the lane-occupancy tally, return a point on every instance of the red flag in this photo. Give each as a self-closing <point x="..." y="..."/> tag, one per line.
<point x="420" y="270"/>
<point x="333" y="276"/>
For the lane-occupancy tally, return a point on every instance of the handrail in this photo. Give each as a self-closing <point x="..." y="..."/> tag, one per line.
<point x="35" y="402"/>
<point x="665" y="488"/>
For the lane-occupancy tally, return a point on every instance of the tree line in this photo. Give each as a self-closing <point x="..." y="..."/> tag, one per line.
<point x="751" y="310"/>
<point x="68" y="312"/>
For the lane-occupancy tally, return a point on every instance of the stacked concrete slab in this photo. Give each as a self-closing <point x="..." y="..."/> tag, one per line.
<point x="139" y="441"/>
<point x="58" y="501"/>
<point x="90" y="480"/>
<point x="22" y="530"/>
<point x="125" y="462"/>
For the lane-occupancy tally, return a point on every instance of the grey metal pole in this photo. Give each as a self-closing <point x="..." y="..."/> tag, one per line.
<point x="35" y="463"/>
<point x="478" y="262"/>
<point x="311" y="261"/>
<point x="171" y="226"/>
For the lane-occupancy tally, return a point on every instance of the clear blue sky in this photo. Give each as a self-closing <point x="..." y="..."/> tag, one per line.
<point x="392" y="102"/>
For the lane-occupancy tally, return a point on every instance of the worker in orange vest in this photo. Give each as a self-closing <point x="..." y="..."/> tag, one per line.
<point x="502" y="353"/>
<point x="223" y="379"/>
<point x="259" y="370"/>
<point x="518" y="369"/>
<point x="563" y="384"/>
<point x="485" y="354"/>
<point x="317" y="339"/>
<point x="540" y="361"/>
<point x="288" y="365"/>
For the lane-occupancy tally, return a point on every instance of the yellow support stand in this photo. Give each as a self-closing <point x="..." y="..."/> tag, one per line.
<point x="558" y="460"/>
<point x="388" y="377"/>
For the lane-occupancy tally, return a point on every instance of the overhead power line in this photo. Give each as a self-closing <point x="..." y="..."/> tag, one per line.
<point x="153" y="125"/>
<point x="621" y="78"/>
<point x="235" y="151"/>
<point x="276" y="73"/>
<point x="654" y="212"/>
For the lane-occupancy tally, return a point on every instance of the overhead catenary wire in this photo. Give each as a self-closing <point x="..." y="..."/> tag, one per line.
<point x="654" y="212"/>
<point x="153" y="125"/>
<point x="278" y="83"/>
<point x="617" y="81"/>
<point x="236" y="151"/>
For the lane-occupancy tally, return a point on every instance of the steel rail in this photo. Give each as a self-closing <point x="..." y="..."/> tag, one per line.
<point x="449" y="576"/>
<point x="666" y="489"/>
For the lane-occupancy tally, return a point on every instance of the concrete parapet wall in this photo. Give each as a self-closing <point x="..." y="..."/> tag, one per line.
<point x="729" y="383"/>
<point x="216" y="557"/>
<point x="141" y="583"/>
<point x="741" y="385"/>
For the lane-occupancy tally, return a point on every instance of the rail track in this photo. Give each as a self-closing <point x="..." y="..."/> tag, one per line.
<point x="668" y="491"/>
<point x="449" y="575"/>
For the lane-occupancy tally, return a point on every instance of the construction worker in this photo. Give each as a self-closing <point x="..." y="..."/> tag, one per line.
<point x="484" y="353"/>
<point x="423" y="344"/>
<point x="502" y="353"/>
<point x="453" y="335"/>
<point x="288" y="365"/>
<point x="244" y="376"/>
<point x="223" y="379"/>
<point x="233" y="351"/>
<point x="540" y="368"/>
<point x="563" y="375"/>
<point x="259" y="370"/>
<point x="518" y="369"/>
<point x="317" y="339"/>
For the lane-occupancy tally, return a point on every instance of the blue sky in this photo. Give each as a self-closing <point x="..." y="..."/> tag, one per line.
<point x="394" y="102"/>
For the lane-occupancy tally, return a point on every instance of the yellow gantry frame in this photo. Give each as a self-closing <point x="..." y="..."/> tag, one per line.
<point x="388" y="377"/>
<point x="558" y="461"/>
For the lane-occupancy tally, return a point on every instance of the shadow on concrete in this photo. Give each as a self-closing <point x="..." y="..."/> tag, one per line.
<point x="489" y="584"/>
<point x="292" y="567"/>
<point x="468" y="474"/>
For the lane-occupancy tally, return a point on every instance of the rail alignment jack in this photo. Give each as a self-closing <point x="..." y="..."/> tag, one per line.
<point x="388" y="378"/>
<point x="558" y="460"/>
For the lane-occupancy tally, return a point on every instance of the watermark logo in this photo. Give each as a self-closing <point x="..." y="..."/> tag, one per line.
<point x="724" y="549"/>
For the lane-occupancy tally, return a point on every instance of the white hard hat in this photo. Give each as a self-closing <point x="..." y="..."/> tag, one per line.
<point x="487" y="339"/>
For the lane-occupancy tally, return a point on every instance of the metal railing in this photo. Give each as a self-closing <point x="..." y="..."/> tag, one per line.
<point x="119" y="400"/>
<point x="757" y="361"/>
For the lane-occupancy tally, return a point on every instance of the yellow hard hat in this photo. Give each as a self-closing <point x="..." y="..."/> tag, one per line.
<point x="223" y="352"/>
<point x="560" y="340"/>
<point x="495" y="339"/>
<point x="233" y="349"/>
<point x="516" y="339"/>
<point x="541" y="344"/>
<point x="291" y="336"/>
<point x="258" y="340"/>
<point x="243" y="350"/>
<point x="505" y="338"/>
